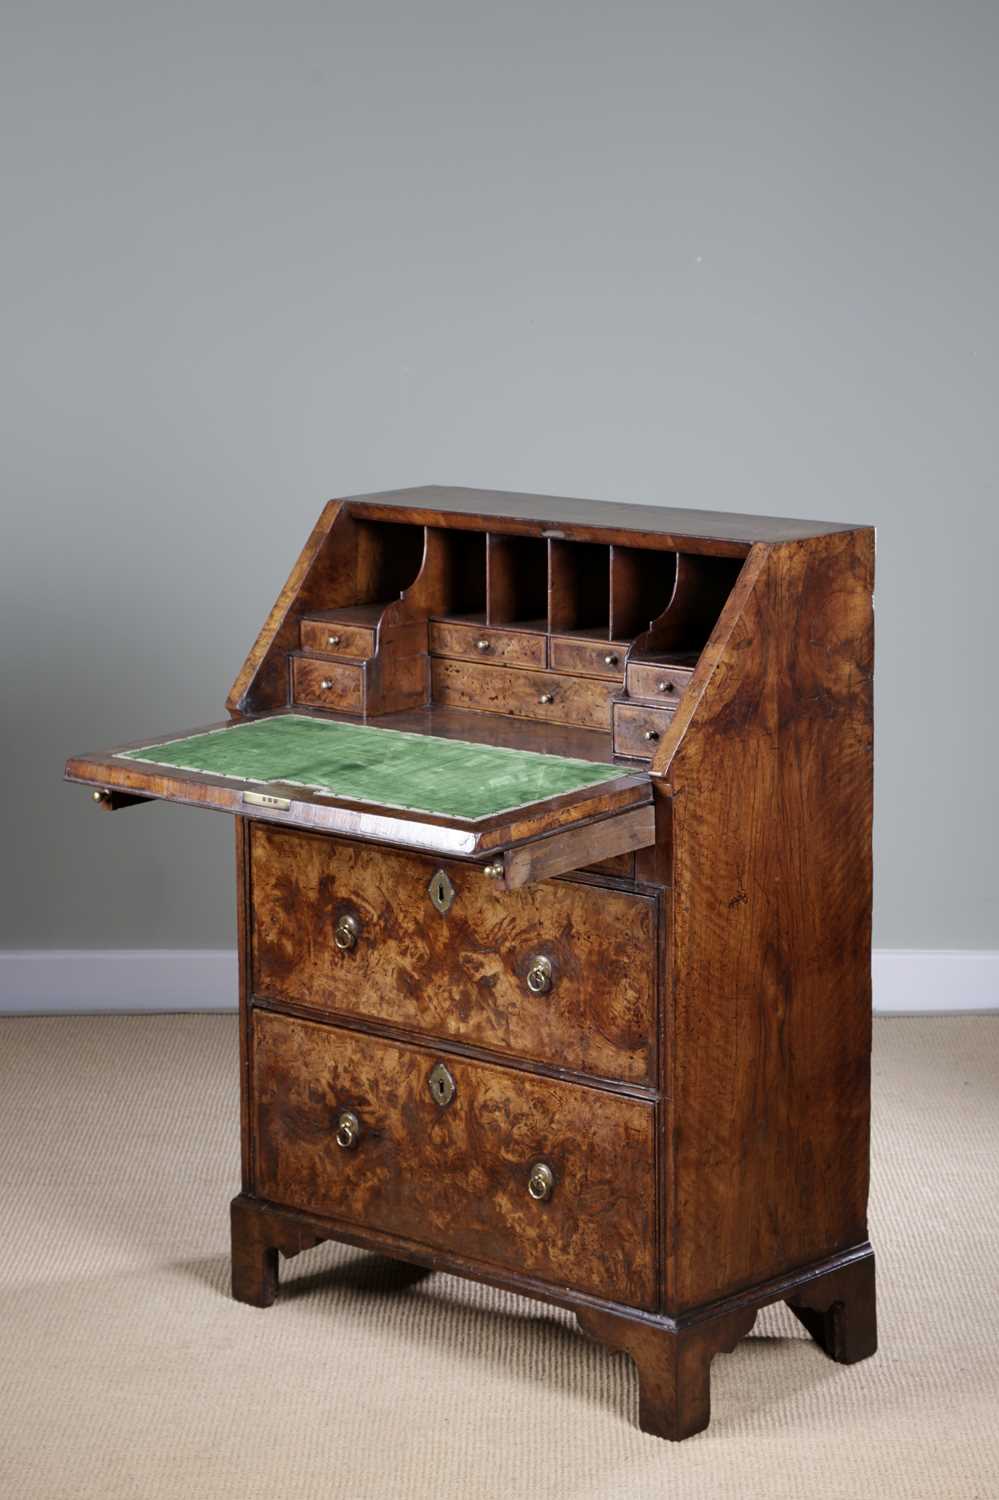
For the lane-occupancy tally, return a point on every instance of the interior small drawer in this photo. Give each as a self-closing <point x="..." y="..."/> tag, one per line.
<point x="656" y="683"/>
<point x="321" y="683"/>
<point x="638" y="729"/>
<point x="520" y="648"/>
<point x="337" y="639"/>
<point x="559" y="972"/>
<point x="596" y="658"/>
<point x="584" y="701"/>
<point x="491" y="1165"/>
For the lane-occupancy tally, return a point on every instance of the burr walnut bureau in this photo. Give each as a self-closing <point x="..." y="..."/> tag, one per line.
<point x="553" y="830"/>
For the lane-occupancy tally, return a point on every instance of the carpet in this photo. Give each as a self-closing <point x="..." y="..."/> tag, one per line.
<point x="128" y="1374"/>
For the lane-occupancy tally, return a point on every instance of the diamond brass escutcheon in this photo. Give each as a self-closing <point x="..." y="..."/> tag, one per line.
<point x="441" y="1084"/>
<point x="442" y="892"/>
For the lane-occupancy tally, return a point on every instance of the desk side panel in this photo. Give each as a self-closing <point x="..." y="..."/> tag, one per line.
<point x="771" y="929"/>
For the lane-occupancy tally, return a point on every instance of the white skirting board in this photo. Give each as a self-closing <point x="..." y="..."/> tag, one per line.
<point x="84" y="981"/>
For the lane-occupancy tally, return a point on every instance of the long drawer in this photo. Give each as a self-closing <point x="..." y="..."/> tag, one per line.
<point x="550" y="696"/>
<point x="506" y="1169"/>
<point x="558" y="972"/>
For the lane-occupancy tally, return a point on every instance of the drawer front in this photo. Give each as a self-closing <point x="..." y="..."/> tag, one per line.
<point x="339" y="640"/>
<point x="454" y="1177"/>
<point x="481" y="643"/>
<point x="464" y="974"/>
<point x="597" y="658"/>
<point x="638" y="730"/>
<point x="658" y="684"/>
<point x="327" y="684"/>
<point x="584" y="701"/>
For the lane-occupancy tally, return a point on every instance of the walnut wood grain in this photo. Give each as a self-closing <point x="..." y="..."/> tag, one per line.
<point x="771" y="773"/>
<point x="703" y="584"/>
<point x="722" y="533"/>
<point x="462" y="975"/>
<point x="457" y="1176"/>
<point x="657" y="682"/>
<point x="674" y="1367"/>
<point x="638" y="729"/>
<point x="577" y="848"/>
<point x="517" y="580"/>
<point x="488" y="643"/>
<point x="335" y="637"/>
<point x="322" y="683"/>
<point x="585" y="701"/>
<point x="715" y="1138"/>
<point x="839" y="1311"/>
<point x="643" y="581"/>
<point x="588" y="658"/>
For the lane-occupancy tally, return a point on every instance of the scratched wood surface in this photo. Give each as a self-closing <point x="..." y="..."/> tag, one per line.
<point x="457" y="1176"/>
<point x="462" y="975"/>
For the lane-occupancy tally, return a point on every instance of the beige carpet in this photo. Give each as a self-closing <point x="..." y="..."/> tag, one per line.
<point x="126" y="1371"/>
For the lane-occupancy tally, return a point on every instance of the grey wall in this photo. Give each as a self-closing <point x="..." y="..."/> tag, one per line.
<point x="737" y="256"/>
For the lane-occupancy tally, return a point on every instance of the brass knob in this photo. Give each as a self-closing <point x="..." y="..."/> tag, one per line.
<point x="540" y="1181"/>
<point x="664" y="687"/>
<point x="495" y="870"/>
<point x="348" y="1130"/>
<point x="346" y="932"/>
<point x="326" y="684"/>
<point x="651" y="734"/>
<point x="611" y="660"/>
<point x="482" y="645"/>
<point x="547" y="698"/>
<point x="539" y="975"/>
<point x="103" y="797"/>
<point x="333" y="640"/>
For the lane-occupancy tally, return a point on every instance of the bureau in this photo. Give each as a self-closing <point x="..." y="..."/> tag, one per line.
<point x="553" y="831"/>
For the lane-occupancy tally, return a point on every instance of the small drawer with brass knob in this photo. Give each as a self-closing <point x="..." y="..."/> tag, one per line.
<point x="337" y="639"/>
<point x="518" y="648"/>
<point x="589" y="658"/>
<point x="638" y="731"/>
<point x="321" y="683"/>
<point x="657" y="682"/>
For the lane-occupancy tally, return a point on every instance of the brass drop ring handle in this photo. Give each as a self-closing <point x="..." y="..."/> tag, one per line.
<point x="540" y="1181"/>
<point x="539" y="975"/>
<point x="482" y="645"/>
<point x="348" y="1130"/>
<point x="346" y="932"/>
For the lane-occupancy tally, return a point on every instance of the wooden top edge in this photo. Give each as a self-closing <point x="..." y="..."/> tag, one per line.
<point x="548" y="512"/>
